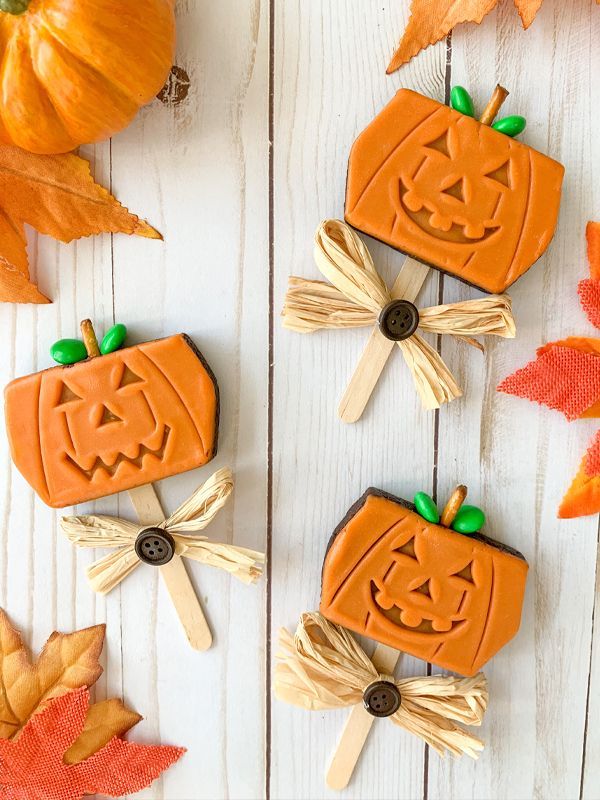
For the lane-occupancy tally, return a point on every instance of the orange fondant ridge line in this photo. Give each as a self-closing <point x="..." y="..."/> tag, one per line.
<point x="39" y="437"/>
<point x="184" y="406"/>
<point x="511" y="268"/>
<point x="488" y="613"/>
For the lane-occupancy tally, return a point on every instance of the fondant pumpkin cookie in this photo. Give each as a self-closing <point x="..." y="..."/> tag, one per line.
<point x="452" y="191"/>
<point x="448" y="595"/>
<point x="112" y="421"/>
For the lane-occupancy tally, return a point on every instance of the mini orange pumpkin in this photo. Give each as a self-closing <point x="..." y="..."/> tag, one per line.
<point x="113" y="422"/>
<point x="452" y="192"/>
<point x="77" y="71"/>
<point x="450" y="599"/>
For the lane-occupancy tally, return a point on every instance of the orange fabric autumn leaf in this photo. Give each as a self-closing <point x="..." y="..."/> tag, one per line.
<point x="565" y="376"/>
<point x="33" y="767"/>
<point x="57" y="196"/>
<point x="431" y="20"/>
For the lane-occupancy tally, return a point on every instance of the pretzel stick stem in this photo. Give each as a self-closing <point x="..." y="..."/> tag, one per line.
<point x="452" y="507"/>
<point x="89" y="338"/>
<point x="358" y="725"/>
<point x="493" y="107"/>
<point x="174" y="574"/>
<point x="375" y="355"/>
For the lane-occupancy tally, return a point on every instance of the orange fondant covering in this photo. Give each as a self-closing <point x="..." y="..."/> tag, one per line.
<point x="113" y="422"/>
<point x="450" y="599"/>
<point x="452" y="192"/>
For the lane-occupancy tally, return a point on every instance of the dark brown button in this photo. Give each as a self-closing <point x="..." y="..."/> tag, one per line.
<point x="399" y="320"/>
<point x="155" y="546"/>
<point x="381" y="699"/>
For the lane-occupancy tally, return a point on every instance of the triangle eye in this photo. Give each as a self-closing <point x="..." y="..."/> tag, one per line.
<point x="456" y="190"/>
<point x="440" y="144"/>
<point x="128" y="377"/>
<point x="500" y="175"/>
<point x="407" y="549"/>
<point x="67" y="395"/>
<point x="466" y="573"/>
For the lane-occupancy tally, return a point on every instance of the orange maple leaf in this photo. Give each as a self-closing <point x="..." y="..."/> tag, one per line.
<point x="33" y="767"/>
<point x="565" y="376"/>
<point x="57" y="196"/>
<point x="431" y="20"/>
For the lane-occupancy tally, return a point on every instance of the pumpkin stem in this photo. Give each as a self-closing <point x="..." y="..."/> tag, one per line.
<point x="14" y="7"/>
<point x="89" y="336"/>
<point x="493" y="107"/>
<point x="457" y="498"/>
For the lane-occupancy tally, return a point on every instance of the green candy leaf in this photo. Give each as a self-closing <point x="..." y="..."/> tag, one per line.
<point x="68" y="351"/>
<point x="460" y="100"/>
<point x="510" y="126"/>
<point x="469" y="519"/>
<point x="114" y="339"/>
<point x="426" y="507"/>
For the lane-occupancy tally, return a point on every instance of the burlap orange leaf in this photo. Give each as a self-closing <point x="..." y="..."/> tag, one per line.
<point x="565" y="376"/>
<point x="33" y="767"/>
<point x="57" y="196"/>
<point x="431" y="20"/>
<point x="589" y="289"/>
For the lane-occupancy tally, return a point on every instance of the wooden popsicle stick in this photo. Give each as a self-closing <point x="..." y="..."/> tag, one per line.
<point x="174" y="574"/>
<point x="375" y="355"/>
<point x="355" y="731"/>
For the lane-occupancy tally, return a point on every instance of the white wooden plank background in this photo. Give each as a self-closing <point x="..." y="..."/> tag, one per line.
<point x="238" y="218"/>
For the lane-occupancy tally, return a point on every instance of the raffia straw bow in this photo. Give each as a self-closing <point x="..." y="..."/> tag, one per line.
<point x="359" y="294"/>
<point x="195" y="514"/>
<point x="323" y="666"/>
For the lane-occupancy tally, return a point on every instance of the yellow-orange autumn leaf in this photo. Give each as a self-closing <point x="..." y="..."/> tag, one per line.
<point x="67" y="662"/>
<point x="57" y="196"/>
<point x="431" y="20"/>
<point x="103" y="721"/>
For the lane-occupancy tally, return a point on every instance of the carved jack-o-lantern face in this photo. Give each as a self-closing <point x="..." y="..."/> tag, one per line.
<point x="113" y="422"/>
<point x="452" y="192"/>
<point x="450" y="599"/>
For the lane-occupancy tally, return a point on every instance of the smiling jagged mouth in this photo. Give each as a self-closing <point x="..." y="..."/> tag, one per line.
<point x="138" y="461"/>
<point x="394" y="615"/>
<point x="455" y="233"/>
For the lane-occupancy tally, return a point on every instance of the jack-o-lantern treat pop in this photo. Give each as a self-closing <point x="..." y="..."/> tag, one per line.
<point x="431" y="586"/>
<point x="417" y="581"/>
<point x="458" y="194"/>
<point x="110" y="419"/>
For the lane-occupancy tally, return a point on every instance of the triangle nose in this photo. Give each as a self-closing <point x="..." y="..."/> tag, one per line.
<point x="424" y="588"/>
<point x="108" y="416"/>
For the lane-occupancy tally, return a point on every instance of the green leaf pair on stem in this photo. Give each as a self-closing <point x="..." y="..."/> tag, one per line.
<point x="70" y="351"/>
<point x="461" y="100"/>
